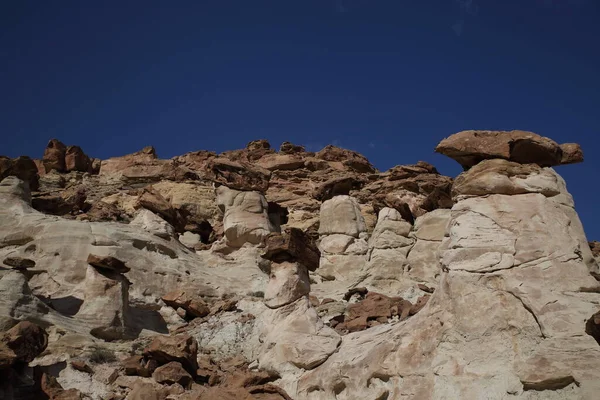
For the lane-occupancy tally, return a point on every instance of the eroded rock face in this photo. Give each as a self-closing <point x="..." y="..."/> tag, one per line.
<point x="246" y="218"/>
<point x="470" y="147"/>
<point x="408" y="285"/>
<point x="106" y="303"/>
<point x="23" y="168"/>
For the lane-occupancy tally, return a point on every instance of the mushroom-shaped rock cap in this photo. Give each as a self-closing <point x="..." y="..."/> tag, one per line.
<point x="471" y="147"/>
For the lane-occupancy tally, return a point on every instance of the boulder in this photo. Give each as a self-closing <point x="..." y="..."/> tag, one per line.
<point x="292" y="245"/>
<point x="498" y="176"/>
<point x="22" y="167"/>
<point x="471" y="147"/>
<point x="172" y="373"/>
<point x="54" y="156"/>
<point x="192" y="304"/>
<point x="181" y="348"/>
<point x="77" y="160"/>
<point x="246" y="218"/>
<point x="289" y="148"/>
<point x="105" y="307"/>
<point x="287" y="283"/>
<point x="342" y="215"/>
<point x="275" y="162"/>
<point x="153" y="201"/>
<point x="22" y="343"/>
<point x="150" y="222"/>
<point x="139" y="366"/>
<point x="19" y="263"/>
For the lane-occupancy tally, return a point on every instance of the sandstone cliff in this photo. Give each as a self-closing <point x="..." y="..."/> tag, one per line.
<point x="263" y="274"/>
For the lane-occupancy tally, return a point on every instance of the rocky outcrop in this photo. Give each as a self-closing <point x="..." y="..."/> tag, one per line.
<point x="21" y="167"/>
<point x="292" y="245"/>
<point x="291" y="274"/>
<point x="471" y="147"/>
<point x="245" y="217"/>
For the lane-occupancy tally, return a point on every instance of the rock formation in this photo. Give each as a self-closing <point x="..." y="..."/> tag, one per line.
<point x="264" y="274"/>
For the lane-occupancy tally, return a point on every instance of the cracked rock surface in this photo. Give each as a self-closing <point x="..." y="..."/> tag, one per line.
<point x="310" y="275"/>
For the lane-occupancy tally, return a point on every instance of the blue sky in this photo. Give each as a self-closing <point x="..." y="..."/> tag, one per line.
<point x="388" y="78"/>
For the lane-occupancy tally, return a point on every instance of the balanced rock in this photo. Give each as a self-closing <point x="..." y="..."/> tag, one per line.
<point x="471" y="147"/>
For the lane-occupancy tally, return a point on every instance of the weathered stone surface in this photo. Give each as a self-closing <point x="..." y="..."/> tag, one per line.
<point x="150" y="222"/>
<point x="413" y="190"/>
<point x="288" y="282"/>
<point x="139" y="366"/>
<point x="471" y="147"/>
<point x="180" y="348"/>
<point x="22" y="343"/>
<point x="77" y="160"/>
<point x="292" y="245"/>
<point x="238" y="175"/>
<point x="192" y="304"/>
<point x="19" y="263"/>
<point x="172" y="373"/>
<point x="289" y="148"/>
<point x="142" y="166"/>
<point x="337" y="186"/>
<point x="23" y="168"/>
<point x="107" y="262"/>
<point x="274" y="162"/>
<point x="294" y="336"/>
<point x="54" y="156"/>
<point x="246" y="218"/>
<point x="153" y="201"/>
<point x="342" y="215"/>
<point x="106" y="304"/>
<point x="500" y="176"/>
<point x="348" y="158"/>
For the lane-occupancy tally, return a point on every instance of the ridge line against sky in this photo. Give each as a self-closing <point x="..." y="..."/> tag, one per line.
<point x="386" y="78"/>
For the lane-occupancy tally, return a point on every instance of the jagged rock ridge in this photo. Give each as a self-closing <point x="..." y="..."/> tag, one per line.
<point x="289" y="274"/>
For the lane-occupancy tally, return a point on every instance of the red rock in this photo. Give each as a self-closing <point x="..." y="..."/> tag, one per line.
<point x="193" y="305"/>
<point x="292" y="245"/>
<point x="171" y="373"/>
<point x="77" y="160"/>
<point x="337" y="186"/>
<point x="22" y="167"/>
<point x="351" y="159"/>
<point x="54" y="156"/>
<point x="289" y="148"/>
<point x="471" y="147"/>
<point x="27" y="340"/>
<point x="139" y="366"/>
<point x="55" y="391"/>
<point x="82" y="366"/>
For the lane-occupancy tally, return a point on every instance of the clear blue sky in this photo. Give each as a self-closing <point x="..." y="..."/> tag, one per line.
<point x="388" y="78"/>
